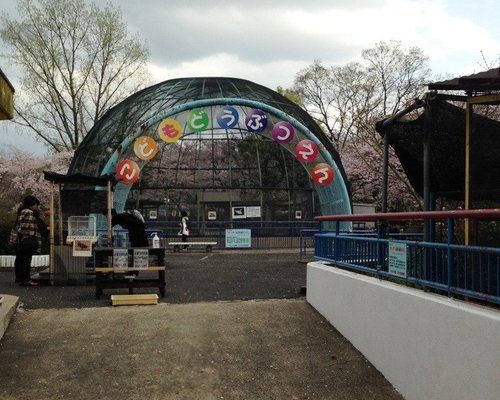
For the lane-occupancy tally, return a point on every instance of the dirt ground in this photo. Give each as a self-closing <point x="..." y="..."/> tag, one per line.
<point x="231" y="326"/>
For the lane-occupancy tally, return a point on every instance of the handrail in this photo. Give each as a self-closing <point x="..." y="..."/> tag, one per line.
<point x="493" y="213"/>
<point x="472" y="271"/>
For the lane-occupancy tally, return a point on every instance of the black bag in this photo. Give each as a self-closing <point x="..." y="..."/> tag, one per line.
<point x="29" y="244"/>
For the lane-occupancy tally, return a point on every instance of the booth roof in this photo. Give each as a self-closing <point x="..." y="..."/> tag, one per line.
<point x="482" y="82"/>
<point x="78" y="178"/>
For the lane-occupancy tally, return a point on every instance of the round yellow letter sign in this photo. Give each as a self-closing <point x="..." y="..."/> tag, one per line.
<point x="169" y="130"/>
<point x="145" y="148"/>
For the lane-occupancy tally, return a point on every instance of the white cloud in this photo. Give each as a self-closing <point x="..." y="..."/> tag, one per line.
<point x="268" y="42"/>
<point x="271" y="74"/>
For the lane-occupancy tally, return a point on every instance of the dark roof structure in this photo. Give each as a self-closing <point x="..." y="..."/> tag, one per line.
<point x="482" y="82"/>
<point x="446" y="127"/>
<point x="447" y="151"/>
<point x="78" y="179"/>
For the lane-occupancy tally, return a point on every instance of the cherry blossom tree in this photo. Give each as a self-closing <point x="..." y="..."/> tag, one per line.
<point x="22" y="173"/>
<point x="359" y="158"/>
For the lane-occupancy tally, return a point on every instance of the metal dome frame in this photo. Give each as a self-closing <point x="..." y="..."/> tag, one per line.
<point x="125" y="126"/>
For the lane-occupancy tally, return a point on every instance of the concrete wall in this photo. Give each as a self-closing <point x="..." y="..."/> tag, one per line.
<point x="427" y="346"/>
<point x="36" y="261"/>
<point x="8" y="306"/>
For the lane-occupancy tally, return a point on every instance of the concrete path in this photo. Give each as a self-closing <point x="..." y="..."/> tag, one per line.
<point x="268" y="349"/>
<point x="201" y="342"/>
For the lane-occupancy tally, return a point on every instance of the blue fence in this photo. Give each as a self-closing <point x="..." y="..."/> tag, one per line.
<point x="265" y="234"/>
<point x="454" y="269"/>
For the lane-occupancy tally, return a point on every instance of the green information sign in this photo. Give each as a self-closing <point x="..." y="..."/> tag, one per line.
<point x="238" y="238"/>
<point x="397" y="259"/>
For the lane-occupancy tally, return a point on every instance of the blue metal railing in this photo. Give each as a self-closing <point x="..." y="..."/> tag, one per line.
<point x="217" y="228"/>
<point x="265" y="234"/>
<point x="450" y="268"/>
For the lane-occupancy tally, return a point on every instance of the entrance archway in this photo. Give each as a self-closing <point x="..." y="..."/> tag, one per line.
<point x="150" y="139"/>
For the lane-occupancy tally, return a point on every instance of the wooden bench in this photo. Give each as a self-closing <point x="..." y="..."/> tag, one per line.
<point x="108" y="277"/>
<point x="111" y="278"/>
<point x="178" y="245"/>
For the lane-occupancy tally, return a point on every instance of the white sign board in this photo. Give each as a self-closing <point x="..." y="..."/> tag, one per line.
<point x="238" y="238"/>
<point x="120" y="258"/>
<point x="141" y="258"/>
<point x="212" y="215"/>
<point x="397" y="259"/>
<point x="253" y="212"/>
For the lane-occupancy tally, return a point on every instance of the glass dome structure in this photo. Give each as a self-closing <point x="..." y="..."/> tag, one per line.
<point x="210" y="145"/>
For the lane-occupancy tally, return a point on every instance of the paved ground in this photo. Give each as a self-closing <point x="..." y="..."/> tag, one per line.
<point x="201" y="342"/>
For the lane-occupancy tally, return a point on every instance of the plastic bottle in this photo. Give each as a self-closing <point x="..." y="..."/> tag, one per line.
<point x="156" y="241"/>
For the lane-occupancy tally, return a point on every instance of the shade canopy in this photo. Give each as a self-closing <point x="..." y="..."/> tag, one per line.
<point x="482" y="82"/>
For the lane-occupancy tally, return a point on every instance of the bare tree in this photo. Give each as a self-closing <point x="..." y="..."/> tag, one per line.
<point x="400" y="74"/>
<point x="347" y="100"/>
<point x="77" y="61"/>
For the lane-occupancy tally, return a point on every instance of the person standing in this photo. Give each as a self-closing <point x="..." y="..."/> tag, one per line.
<point x="184" y="227"/>
<point x="29" y="228"/>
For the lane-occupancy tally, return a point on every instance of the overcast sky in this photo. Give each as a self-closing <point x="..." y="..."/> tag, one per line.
<point x="268" y="42"/>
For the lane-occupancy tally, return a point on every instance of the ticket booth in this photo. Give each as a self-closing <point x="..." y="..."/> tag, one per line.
<point x="77" y="254"/>
<point x="72" y="237"/>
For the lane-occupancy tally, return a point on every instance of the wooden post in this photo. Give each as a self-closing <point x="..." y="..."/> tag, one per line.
<point x="110" y="206"/>
<point x="60" y="216"/>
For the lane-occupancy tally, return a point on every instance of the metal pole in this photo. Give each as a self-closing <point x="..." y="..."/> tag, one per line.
<point x="385" y="168"/>
<point x="385" y="172"/>
<point x="449" y="278"/>
<point x="468" y="112"/>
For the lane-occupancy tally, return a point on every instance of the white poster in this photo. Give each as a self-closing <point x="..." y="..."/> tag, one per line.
<point x="212" y="215"/>
<point x="253" y="212"/>
<point x="120" y="258"/>
<point x="141" y="258"/>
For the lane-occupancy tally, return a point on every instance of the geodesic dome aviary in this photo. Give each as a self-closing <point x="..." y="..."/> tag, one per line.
<point x="200" y="142"/>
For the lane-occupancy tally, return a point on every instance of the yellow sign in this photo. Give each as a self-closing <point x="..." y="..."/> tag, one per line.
<point x="6" y="98"/>
<point x="169" y="130"/>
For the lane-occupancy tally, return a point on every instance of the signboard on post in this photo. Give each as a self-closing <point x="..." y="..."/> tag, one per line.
<point x="397" y="259"/>
<point x="238" y="238"/>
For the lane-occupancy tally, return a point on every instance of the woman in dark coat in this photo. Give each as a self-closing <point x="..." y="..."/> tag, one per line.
<point x="29" y="228"/>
